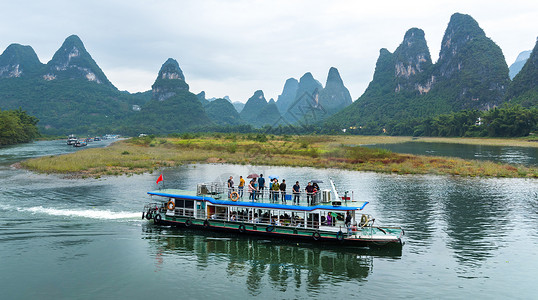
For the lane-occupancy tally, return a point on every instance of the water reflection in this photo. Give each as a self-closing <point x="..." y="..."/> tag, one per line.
<point x="410" y="202"/>
<point x="474" y="218"/>
<point x="282" y="264"/>
<point x="477" y="220"/>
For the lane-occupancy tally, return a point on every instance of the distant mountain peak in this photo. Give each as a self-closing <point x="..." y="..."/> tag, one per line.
<point x="72" y="61"/>
<point x="334" y="77"/>
<point x="17" y="60"/>
<point x="169" y="81"/>
<point x="460" y="30"/>
<point x="525" y="83"/>
<point x="335" y="95"/>
<point x="171" y="70"/>
<point x="287" y="97"/>
<point x="519" y="63"/>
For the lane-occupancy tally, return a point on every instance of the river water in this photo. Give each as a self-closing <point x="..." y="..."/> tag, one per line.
<point x="502" y="154"/>
<point x="84" y="239"/>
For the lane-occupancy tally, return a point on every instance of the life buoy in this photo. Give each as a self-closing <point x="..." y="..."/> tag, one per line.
<point x="157" y="219"/>
<point x="188" y="223"/>
<point x="170" y="205"/>
<point x="206" y="224"/>
<point x="270" y="228"/>
<point x="242" y="228"/>
<point x="316" y="235"/>
<point x="340" y="235"/>
<point x="234" y="196"/>
<point x="148" y="215"/>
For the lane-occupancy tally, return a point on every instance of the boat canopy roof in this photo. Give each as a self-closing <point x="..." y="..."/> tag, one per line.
<point x="190" y="195"/>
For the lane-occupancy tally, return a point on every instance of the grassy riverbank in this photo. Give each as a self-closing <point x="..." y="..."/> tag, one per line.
<point x="146" y="154"/>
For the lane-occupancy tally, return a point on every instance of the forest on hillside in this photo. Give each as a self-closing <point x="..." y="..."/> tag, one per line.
<point x="16" y="126"/>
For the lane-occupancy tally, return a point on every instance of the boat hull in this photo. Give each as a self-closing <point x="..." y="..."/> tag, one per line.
<point x="281" y="232"/>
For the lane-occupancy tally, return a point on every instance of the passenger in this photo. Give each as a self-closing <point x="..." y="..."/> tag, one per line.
<point x="296" y="192"/>
<point x="241" y="186"/>
<point x="271" y="189"/>
<point x="283" y="191"/>
<point x="316" y="192"/>
<point x="348" y="222"/>
<point x="276" y="188"/>
<point x="255" y="185"/>
<point x="251" y="190"/>
<point x="261" y="185"/>
<point x="230" y="186"/>
<point x="309" y="194"/>
<point x="329" y="219"/>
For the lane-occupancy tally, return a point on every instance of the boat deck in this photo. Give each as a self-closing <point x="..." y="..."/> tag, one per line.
<point x="264" y="198"/>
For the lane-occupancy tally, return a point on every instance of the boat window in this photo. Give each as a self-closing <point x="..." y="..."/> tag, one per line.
<point x="179" y="203"/>
<point x="189" y="203"/>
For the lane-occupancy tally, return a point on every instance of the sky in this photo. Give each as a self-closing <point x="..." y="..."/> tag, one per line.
<point x="234" y="48"/>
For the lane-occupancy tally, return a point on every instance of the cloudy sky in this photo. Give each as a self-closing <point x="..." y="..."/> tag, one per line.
<point x="237" y="47"/>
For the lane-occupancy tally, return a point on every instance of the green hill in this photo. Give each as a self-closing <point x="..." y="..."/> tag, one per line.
<point x="222" y="112"/>
<point x="471" y="73"/>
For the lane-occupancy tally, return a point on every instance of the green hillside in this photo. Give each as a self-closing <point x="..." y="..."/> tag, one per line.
<point x="471" y="73"/>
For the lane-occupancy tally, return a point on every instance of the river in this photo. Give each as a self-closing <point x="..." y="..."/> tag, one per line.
<point x="501" y="154"/>
<point x="84" y="239"/>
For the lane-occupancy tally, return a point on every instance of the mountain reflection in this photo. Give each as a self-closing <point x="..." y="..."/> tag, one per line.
<point x="282" y="264"/>
<point x="477" y="220"/>
<point x="471" y="217"/>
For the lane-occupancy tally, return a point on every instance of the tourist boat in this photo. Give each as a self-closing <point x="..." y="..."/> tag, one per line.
<point x="71" y="139"/>
<point x="213" y="207"/>
<point x="80" y="143"/>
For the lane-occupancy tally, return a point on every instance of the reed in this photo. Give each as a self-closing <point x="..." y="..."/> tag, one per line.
<point x="147" y="154"/>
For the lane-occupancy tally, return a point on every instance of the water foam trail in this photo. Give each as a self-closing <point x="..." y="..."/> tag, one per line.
<point x="84" y="213"/>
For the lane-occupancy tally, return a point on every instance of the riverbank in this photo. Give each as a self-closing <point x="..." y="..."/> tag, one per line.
<point x="372" y="140"/>
<point x="139" y="155"/>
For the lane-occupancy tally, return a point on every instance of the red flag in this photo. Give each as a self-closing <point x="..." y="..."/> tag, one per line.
<point x="160" y="179"/>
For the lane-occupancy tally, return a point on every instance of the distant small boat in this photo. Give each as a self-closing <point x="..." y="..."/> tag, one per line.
<point x="80" y="143"/>
<point x="96" y="139"/>
<point x="71" y="139"/>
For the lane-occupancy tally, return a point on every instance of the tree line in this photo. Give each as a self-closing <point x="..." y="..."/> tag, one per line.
<point x="16" y="126"/>
<point x="505" y="121"/>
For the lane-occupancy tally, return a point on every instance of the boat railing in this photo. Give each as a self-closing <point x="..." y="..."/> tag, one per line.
<point x="222" y="192"/>
<point x="188" y="212"/>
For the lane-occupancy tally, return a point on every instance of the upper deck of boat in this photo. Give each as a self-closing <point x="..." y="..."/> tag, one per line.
<point x="265" y="200"/>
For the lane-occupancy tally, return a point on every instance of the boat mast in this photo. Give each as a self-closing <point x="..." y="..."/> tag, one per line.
<point x="334" y="190"/>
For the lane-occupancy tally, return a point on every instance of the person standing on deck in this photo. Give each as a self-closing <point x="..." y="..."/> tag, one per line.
<point x="296" y="191"/>
<point x="316" y="192"/>
<point x="283" y="191"/>
<point x="271" y="182"/>
<point x="276" y="188"/>
<point x="230" y="186"/>
<point x="241" y="186"/>
<point x="261" y="185"/>
<point x="348" y="222"/>
<point x="252" y="190"/>
<point x="309" y="194"/>
<point x="255" y="185"/>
